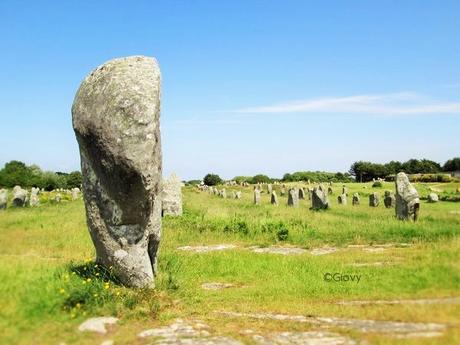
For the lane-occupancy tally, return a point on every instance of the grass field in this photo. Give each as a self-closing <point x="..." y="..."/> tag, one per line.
<point x="49" y="283"/>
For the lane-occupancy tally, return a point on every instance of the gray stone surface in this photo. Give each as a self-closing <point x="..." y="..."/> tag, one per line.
<point x="269" y="188"/>
<point x="19" y="197"/>
<point x="330" y="190"/>
<point x="301" y="193"/>
<point x="278" y="250"/>
<point x="34" y="199"/>
<point x="274" y="198"/>
<point x="433" y="197"/>
<point x="216" y="286"/>
<point x="75" y="193"/>
<point x="116" y="115"/>
<point x="57" y="198"/>
<point x="206" y="249"/>
<point x="407" y="198"/>
<point x="319" y="199"/>
<point x="342" y="199"/>
<point x="345" y="190"/>
<point x="3" y="199"/>
<point x="293" y="198"/>
<point x="186" y="333"/>
<point x="374" y="199"/>
<point x="422" y="301"/>
<point x="256" y="196"/>
<point x="238" y="195"/>
<point x="356" y="199"/>
<point x="97" y="324"/>
<point x="389" y="200"/>
<point x="172" y="196"/>
<point x="223" y="193"/>
<point x="303" y="338"/>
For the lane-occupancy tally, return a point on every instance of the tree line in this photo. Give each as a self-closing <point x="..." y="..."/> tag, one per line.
<point x="27" y="176"/>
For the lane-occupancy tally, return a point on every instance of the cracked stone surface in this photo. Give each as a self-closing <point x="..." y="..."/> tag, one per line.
<point x="216" y="286"/>
<point x="303" y="338"/>
<point x="206" y="249"/>
<point x="279" y="250"/>
<point x="423" y="301"/>
<point x="97" y="324"/>
<point x="393" y="328"/>
<point x="183" y="333"/>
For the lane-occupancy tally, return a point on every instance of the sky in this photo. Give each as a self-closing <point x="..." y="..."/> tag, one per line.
<point x="248" y="86"/>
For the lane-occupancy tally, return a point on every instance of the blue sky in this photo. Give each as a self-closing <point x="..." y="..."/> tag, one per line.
<point x="248" y="86"/>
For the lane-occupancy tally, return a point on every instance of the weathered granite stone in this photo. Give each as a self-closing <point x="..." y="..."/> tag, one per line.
<point x="433" y="197"/>
<point x="34" y="199"/>
<point x="3" y="199"/>
<point x="319" y="199"/>
<point x="330" y="191"/>
<point x="407" y="199"/>
<point x="374" y="199"/>
<point x="223" y="193"/>
<point x="116" y="115"/>
<point x="342" y="199"/>
<point x="75" y="193"/>
<point x="256" y="196"/>
<point x="97" y="324"/>
<point x="344" y="190"/>
<point x="282" y="191"/>
<point x="301" y="193"/>
<point x="356" y="199"/>
<point x="57" y="198"/>
<point x="238" y="195"/>
<point x="274" y="198"/>
<point x="172" y="196"/>
<point x="389" y="200"/>
<point x="293" y="198"/>
<point x="269" y="189"/>
<point x="20" y="197"/>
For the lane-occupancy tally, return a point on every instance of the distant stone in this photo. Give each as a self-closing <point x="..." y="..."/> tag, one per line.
<point x="75" y="193"/>
<point x="303" y="338"/>
<point x="172" y="196"/>
<point x="301" y="193"/>
<point x="274" y="198"/>
<point x="97" y="324"/>
<point x="355" y="200"/>
<point x="256" y="196"/>
<point x="374" y="199"/>
<point x="293" y="198"/>
<point x="389" y="200"/>
<point x="433" y="197"/>
<point x="269" y="189"/>
<point x="344" y="190"/>
<point x="319" y="200"/>
<point x="342" y="199"/>
<point x="238" y="195"/>
<point x="3" y="199"/>
<point x="407" y="198"/>
<point x="19" y="197"/>
<point x="206" y="249"/>
<point x="34" y="199"/>
<point x="330" y="191"/>
<point x="282" y="191"/>
<point x="57" y="198"/>
<point x="116" y="119"/>
<point x="278" y="250"/>
<point x="216" y="286"/>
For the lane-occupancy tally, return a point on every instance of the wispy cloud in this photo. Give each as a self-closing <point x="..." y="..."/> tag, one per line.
<point x="403" y="103"/>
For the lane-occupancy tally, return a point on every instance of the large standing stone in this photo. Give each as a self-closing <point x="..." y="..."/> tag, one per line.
<point x="344" y="190"/>
<point x="238" y="195"/>
<point x="301" y="193"/>
<point x="293" y="197"/>
<point x="319" y="199"/>
<point x="269" y="188"/>
<point x="355" y="200"/>
<point x="342" y="199"/>
<point x="172" y="196"/>
<point x="374" y="199"/>
<point x="407" y="199"/>
<point x="19" y="197"/>
<point x="256" y="196"/>
<point x="433" y="197"/>
<point x="389" y="200"/>
<point x="329" y="190"/>
<point x="116" y="115"/>
<point x="3" y="199"/>
<point x="283" y="190"/>
<point x="223" y="193"/>
<point x="57" y="198"/>
<point x="75" y="193"/>
<point x="34" y="199"/>
<point x="274" y="198"/>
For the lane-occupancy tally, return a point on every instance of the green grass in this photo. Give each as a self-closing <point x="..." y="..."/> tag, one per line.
<point x="49" y="283"/>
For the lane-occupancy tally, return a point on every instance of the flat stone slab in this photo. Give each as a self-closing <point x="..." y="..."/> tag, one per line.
<point x="183" y="333"/>
<point x="216" y="286"/>
<point x="423" y="301"/>
<point x="97" y="324"/>
<point x="323" y="251"/>
<point x="279" y="250"/>
<point x="303" y="338"/>
<point x="393" y="328"/>
<point x="372" y="264"/>
<point x="206" y="249"/>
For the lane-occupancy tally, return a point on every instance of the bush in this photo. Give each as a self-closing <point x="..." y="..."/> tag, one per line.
<point x="212" y="180"/>
<point x="377" y="184"/>
<point x="282" y="234"/>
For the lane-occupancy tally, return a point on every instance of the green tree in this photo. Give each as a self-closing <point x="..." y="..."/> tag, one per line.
<point x="212" y="180"/>
<point x="452" y="164"/>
